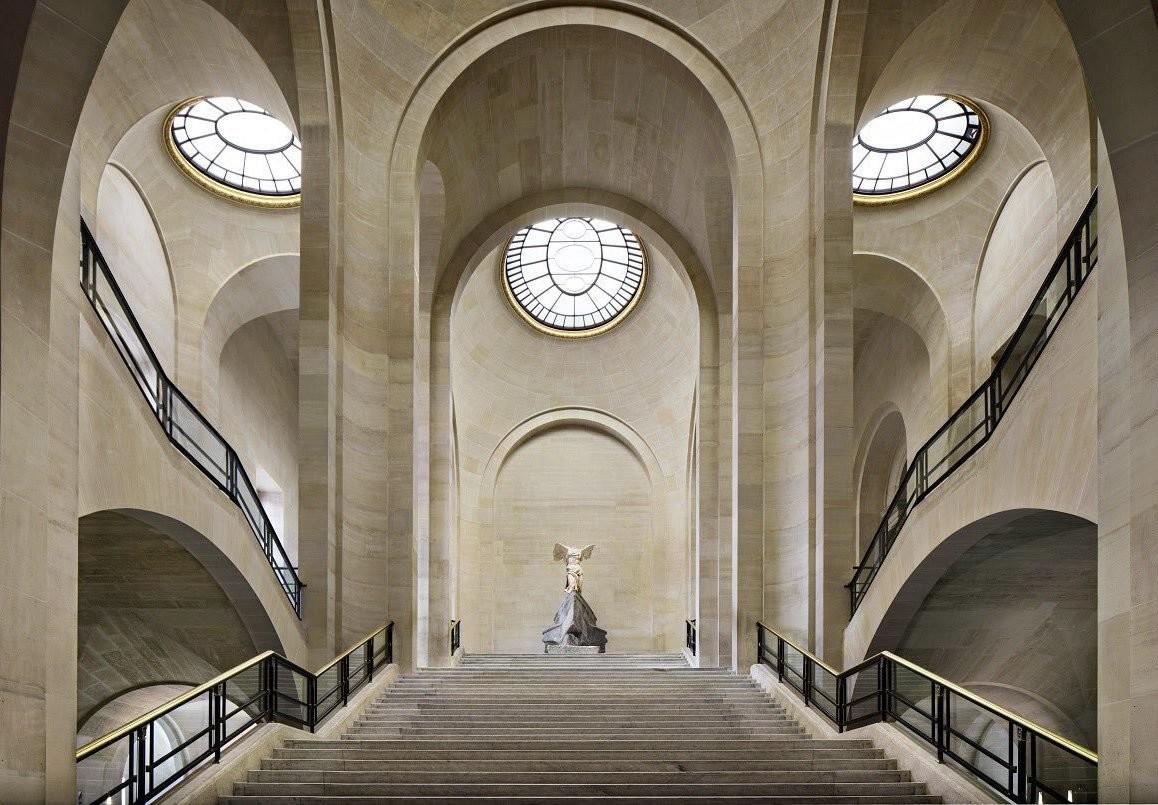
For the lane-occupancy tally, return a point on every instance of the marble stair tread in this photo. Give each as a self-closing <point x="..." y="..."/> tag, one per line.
<point x="456" y="764"/>
<point x="517" y="790"/>
<point x="443" y="776"/>
<point x="860" y="799"/>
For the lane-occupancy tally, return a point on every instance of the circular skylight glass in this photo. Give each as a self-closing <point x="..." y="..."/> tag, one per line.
<point x="238" y="149"/>
<point x="574" y="276"/>
<point x="921" y="142"/>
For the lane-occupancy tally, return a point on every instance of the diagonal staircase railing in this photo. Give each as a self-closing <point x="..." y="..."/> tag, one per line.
<point x="1025" y="762"/>
<point x="974" y="422"/>
<point x="188" y="430"/>
<point x="148" y="756"/>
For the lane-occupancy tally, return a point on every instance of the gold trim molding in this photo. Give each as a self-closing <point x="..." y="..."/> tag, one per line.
<point x="884" y="199"/>
<point x="208" y="183"/>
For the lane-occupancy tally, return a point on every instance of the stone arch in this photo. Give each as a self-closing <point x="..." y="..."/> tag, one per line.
<point x="886" y="286"/>
<point x="437" y="420"/>
<point x="218" y="568"/>
<point x="265" y="286"/>
<point x="1022" y="584"/>
<point x="634" y="615"/>
<point x="1005" y="281"/>
<point x="880" y="465"/>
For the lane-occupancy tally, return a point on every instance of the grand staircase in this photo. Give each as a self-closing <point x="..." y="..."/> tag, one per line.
<point x="546" y="729"/>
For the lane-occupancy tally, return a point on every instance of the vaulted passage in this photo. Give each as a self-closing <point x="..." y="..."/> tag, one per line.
<point x="571" y="400"/>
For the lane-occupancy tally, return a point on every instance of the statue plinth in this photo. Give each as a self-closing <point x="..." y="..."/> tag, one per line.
<point x="551" y="648"/>
<point x="574" y="627"/>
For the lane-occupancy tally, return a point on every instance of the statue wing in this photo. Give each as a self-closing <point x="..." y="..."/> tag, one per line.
<point x="560" y="552"/>
<point x="587" y="551"/>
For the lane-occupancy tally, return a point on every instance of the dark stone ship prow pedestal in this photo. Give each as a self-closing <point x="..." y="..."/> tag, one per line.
<point x="574" y="630"/>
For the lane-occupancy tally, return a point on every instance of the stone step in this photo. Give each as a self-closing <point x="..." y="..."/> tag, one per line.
<point x="497" y="734"/>
<point x="860" y="799"/>
<point x="408" y="753"/>
<point x="550" y="789"/>
<point x="694" y="744"/>
<point x="527" y="763"/>
<point x="454" y="776"/>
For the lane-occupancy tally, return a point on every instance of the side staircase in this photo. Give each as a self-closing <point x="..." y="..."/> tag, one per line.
<point x="546" y="729"/>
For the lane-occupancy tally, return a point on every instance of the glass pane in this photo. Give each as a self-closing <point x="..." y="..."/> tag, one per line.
<point x="793" y="667"/>
<point x="329" y="691"/>
<point x="178" y="741"/>
<point x="980" y="739"/>
<point x="244" y="700"/>
<point x="192" y="433"/>
<point x="293" y="689"/>
<point x="861" y="690"/>
<point x="966" y="430"/>
<point x="104" y="775"/>
<point x="251" y="507"/>
<point x="824" y="691"/>
<point x="1069" y="777"/>
<point x="912" y="700"/>
<point x="131" y="345"/>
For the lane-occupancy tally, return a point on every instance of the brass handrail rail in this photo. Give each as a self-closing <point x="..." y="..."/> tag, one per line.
<point x="100" y="743"/>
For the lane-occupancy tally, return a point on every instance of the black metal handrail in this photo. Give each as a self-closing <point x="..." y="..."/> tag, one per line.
<point x="1022" y="760"/>
<point x="690" y="635"/>
<point x="149" y="755"/>
<point x="455" y="636"/>
<point x="973" y="423"/>
<point x="188" y="430"/>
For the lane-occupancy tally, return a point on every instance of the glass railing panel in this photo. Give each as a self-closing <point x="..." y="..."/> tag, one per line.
<point x="965" y="431"/>
<point x="329" y="691"/>
<point x="981" y="740"/>
<point x="824" y="695"/>
<point x="793" y="669"/>
<point x="911" y="700"/>
<point x="862" y="696"/>
<point x="245" y="700"/>
<point x="199" y="440"/>
<point x="179" y="741"/>
<point x="1060" y="775"/>
<point x="130" y="343"/>
<point x="108" y="775"/>
<point x="291" y="694"/>
<point x="251" y="507"/>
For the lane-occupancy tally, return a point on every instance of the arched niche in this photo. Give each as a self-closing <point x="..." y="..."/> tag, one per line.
<point x="518" y="370"/>
<point x="881" y="461"/>
<point x="573" y="475"/>
<point x="261" y="288"/>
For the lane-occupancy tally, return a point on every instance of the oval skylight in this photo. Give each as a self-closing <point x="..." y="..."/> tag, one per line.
<point x="914" y="146"/>
<point x="237" y="149"/>
<point x="574" y="276"/>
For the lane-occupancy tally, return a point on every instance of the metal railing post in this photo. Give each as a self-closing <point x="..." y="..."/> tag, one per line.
<point x="140" y="786"/>
<point x="370" y="659"/>
<point x="780" y="657"/>
<point x="1020" y="793"/>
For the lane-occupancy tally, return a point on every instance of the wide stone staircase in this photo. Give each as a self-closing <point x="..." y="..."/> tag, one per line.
<point x="574" y="728"/>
